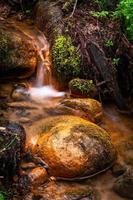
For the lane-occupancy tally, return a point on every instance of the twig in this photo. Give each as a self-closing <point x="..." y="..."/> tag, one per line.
<point x="75" y="5"/>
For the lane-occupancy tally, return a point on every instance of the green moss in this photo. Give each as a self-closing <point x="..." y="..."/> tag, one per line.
<point x="83" y="87"/>
<point x="66" y="58"/>
<point x="6" y="49"/>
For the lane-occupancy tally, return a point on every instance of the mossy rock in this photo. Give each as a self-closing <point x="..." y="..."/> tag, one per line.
<point x="12" y="139"/>
<point x="66" y="58"/>
<point x="72" y="147"/>
<point x="82" y="88"/>
<point x="85" y="108"/>
<point x="90" y="107"/>
<point x="18" y="56"/>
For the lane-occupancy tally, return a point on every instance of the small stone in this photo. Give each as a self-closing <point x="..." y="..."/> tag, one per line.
<point x="38" y="176"/>
<point x="24" y="120"/>
<point x="124" y="185"/>
<point x="118" y="169"/>
<point x="28" y="165"/>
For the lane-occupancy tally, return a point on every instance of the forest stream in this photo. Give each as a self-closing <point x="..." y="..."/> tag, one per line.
<point x="59" y="145"/>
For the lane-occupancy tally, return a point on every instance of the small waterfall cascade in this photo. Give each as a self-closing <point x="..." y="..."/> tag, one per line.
<point x="42" y="87"/>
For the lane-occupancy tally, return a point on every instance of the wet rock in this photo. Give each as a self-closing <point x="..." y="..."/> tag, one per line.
<point x="38" y="176"/>
<point x="125" y="149"/>
<point x="118" y="169"/>
<point x="17" y="52"/>
<point x="90" y="108"/>
<point x="82" y="194"/>
<point x="63" y="191"/>
<point x="28" y="165"/>
<point x="32" y="178"/>
<point x="20" y="93"/>
<point x="82" y="88"/>
<point x="124" y="185"/>
<point x="12" y="139"/>
<point x="72" y="147"/>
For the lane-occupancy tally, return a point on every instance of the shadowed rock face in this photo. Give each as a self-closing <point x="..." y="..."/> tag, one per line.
<point x="124" y="185"/>
<point x="73" y="147"/>
<point x="18" y="55"/>
<point x="12" y="138"/>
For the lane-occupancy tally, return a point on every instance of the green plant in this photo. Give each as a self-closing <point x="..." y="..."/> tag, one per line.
<point x="125" y="11"/>
<point x="115" y="61"/>
<point x="99" y="14"/>
<point x="109" y="43"/>
<point x="66" y="58"/>
<point x="2" y="196"/>
<point x="83" y="87"/>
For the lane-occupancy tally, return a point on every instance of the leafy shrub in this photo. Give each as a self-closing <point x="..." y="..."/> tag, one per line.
<point x="66" y="58"/>
<point x="125" y="10"/>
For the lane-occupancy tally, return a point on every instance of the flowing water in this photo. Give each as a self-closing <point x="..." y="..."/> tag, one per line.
<point x="43" y="86"/>
<point x="43" y="99"/>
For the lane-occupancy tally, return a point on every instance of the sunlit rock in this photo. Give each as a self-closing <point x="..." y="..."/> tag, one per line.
<point x="18" y="55"/>
<point x="88" y="108"/>
<point x="73" y="147"/>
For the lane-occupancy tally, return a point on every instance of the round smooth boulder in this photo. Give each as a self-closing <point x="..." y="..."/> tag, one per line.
<point x="12" y="140"/>
<point x="73" y="148"/>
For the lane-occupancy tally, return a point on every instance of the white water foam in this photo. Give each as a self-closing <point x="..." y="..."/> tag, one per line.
<point x="45" y="92"/>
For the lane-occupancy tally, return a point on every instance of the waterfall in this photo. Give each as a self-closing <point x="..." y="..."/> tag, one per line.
<point x="42" y="86"/>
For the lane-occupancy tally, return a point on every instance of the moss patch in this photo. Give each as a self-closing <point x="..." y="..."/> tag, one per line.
<point x="82" y="87"/>
<point x="66" y="58"/>
<point x="6" y="49"/>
